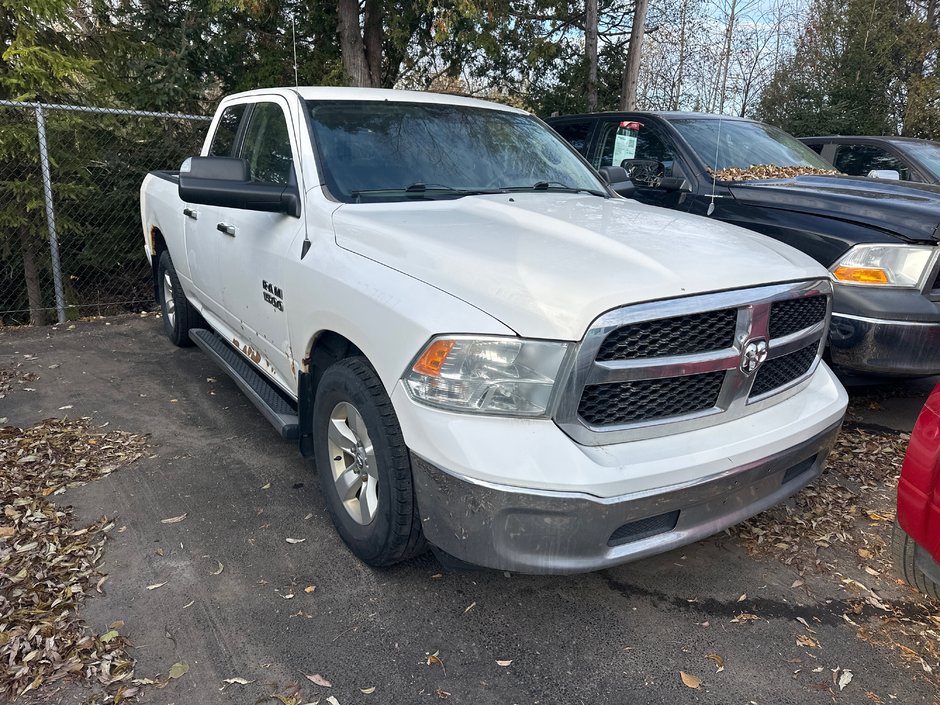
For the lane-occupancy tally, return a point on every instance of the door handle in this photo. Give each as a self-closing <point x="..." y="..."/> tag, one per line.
<point x="226" y="228"/>
<point x="190" y="213"/>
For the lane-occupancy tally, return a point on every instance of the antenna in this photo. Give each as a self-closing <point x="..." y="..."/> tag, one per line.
<point x="711" y="203"/>
<point x="293" y="31"/>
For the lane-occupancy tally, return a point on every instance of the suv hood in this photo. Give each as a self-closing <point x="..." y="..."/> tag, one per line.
<point x="909" y="210"/>
<point x="548" y="264"/>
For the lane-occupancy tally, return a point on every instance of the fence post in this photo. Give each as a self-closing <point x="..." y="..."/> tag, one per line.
<point x="50" y="215"/>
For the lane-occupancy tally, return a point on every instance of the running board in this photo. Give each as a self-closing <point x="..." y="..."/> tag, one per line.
<point x="274" y="404"/>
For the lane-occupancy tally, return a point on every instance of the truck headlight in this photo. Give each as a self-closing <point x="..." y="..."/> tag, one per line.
<point x="509" y="376"/>
<point x="886" y="265"/>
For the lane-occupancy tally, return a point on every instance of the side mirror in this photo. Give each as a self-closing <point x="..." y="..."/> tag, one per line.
<point x="224" y="181"/>
<point x="890" y="174"/>
<point x="618" y="179"/>
<point x="674" y="183"/>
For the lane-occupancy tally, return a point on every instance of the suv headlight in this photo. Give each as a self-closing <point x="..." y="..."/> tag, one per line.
<point x="886" y="265"/>
<point x="510" y="376"/>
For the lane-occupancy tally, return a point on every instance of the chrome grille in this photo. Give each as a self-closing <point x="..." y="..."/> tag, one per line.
<point x="700" y="332"/>
<point x="664" y="367"/>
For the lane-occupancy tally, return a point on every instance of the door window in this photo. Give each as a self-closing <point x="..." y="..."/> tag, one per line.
<point x="621" y="142"/>
<point x="223" y="141"/>
<point x="859" y="159"/>
<point x="576" y="133"/>
<point x="266" y="146"/>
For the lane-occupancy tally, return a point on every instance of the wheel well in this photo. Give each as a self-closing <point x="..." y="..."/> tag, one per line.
<point x="326" y="348"/>
<point x="157" y="246"/>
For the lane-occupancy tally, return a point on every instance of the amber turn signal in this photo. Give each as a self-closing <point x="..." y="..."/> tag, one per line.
<point x="861" y="275"/>
<point x="432" y="360"/>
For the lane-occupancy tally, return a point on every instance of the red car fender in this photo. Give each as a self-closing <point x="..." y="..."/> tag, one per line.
<point x="919" y="486"/>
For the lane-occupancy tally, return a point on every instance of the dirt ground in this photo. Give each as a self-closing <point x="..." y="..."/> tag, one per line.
<point x="744" y="620"/>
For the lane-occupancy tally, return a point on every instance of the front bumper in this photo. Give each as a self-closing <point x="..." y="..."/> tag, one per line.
<point x="885" y="347"/>
<point x="531" y="531"/>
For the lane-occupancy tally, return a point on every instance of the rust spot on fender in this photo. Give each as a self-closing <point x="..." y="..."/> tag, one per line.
<point x="236" y="343"/>
<point x="151" y="236"/>
<point x="251" y="353"/>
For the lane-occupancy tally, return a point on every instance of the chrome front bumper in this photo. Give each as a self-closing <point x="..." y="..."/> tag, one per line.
<point x="885" y="347"/>
<point x="533" y="531"/>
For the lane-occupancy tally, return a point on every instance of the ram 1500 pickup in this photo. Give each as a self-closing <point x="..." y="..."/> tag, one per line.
<point x="482" y="346"/>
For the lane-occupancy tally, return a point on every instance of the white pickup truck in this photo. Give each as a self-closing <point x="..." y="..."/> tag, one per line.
<point x="480" y="344"/>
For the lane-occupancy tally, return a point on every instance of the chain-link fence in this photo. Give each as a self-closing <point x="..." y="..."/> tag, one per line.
<point x="70" y="233"/>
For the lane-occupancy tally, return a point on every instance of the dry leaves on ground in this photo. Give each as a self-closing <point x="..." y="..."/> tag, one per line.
<point x="15" y="377"/>
<point x="48" y="566"/>
<point x="768" y="171"/>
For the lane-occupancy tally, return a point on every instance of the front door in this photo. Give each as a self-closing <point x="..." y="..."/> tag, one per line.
<point x="252" y="246"/>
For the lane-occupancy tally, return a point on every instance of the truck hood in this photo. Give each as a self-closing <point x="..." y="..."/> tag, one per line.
<point x="909" y="210"/>
<point x="546" y="265"/>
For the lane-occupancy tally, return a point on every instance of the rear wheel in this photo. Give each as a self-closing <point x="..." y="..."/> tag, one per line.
<point x="903" y="549"/>
<point x="179" y="316"/>
<point x="364" y="466"/>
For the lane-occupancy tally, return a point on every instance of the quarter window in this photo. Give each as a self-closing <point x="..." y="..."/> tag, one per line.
<point x="576" y="133"/>
<point x="266" y="146"/>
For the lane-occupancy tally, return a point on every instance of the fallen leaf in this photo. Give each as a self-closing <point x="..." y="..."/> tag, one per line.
<point x="503" y="663"/>
<point x="719" y="662"/>
<point x="266" y="486"/>
<point x="108" y="636"/>
<point x="799" y="582"/>
<point x="808" y="641"/>
<point x="219" y="570"/>
<point x="442" y="694"/>
<point x="435" y="659"/>
<point x="367" y="691"/>
<point x="470" y="607"/>
<point x="310" y="588"/>
<point x="332" y="701"/>
<point x="189" y="604"/>
<point x="174" y="520"/>
<point x="317" y="679"/>
<point x="295" y="540"/>
<point x="845" y="679"/>
<point x="744" y="617"/>
<point x="237" y="680"/>
<point x="155" y="586"/>
<point x="689" y="680"/>
<point x="743" y="597"/>
<point x="63" y="408"/>
<point x="7" y="531"/>
<point x="178" y="669"/>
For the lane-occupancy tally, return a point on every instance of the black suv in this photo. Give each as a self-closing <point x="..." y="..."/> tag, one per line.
<point x="877" y="237"/>
<point x="912" y="159"/>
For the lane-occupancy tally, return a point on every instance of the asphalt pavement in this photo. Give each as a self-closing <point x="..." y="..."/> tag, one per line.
<point x="280" y="611"/>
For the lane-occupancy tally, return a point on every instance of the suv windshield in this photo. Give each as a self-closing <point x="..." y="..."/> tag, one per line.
<point x="928" y="153"/>
<point x="749" y="150"/>
<point x="391" y="151"/>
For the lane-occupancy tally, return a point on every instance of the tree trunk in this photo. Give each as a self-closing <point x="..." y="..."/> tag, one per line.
<point x="726" y="56"/>
<point x="372" y="34"/>
<point x="351" y="45"/>
<point x="631" y="70"/>
<point x="677" y="84"/>
<point x="37" y="316"/>
<point x="590" y="52"/>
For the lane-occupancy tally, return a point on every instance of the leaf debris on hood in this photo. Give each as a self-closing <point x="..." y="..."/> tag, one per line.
<point x="757" y="172"/>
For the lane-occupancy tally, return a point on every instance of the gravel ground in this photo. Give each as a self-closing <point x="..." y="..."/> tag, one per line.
<point x="743" y="619"/>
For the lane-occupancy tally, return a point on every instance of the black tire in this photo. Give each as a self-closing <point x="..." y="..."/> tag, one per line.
<point x="394" y="534"/>
<point x="178" y="322"/>
<point x="903" y="552"/>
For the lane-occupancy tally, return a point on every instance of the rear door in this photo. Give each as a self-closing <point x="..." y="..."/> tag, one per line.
<point x="253" y="245"/>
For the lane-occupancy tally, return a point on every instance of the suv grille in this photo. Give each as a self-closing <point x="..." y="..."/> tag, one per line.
<point x="783" y="370"/>
<point x="649" y="399"/>
<point x="664" y="367"/>
<point x="680" y="335"/>
<point x="788" y="317"/>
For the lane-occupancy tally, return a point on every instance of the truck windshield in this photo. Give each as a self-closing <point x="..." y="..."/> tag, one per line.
<point x="391" y="151"/>
<point x="748" y="150"/>
<point x="928" y="153"/>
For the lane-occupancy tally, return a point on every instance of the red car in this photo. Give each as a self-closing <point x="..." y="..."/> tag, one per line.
<point x="917" y="527"/>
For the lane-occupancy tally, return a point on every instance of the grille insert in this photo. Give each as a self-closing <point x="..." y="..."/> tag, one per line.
<point x="679" y="335"/>
<point x="788" y="317"/>
<point x="650" y="399"/>
<point x="644" y="528"/>
<point x="783" y="370"/>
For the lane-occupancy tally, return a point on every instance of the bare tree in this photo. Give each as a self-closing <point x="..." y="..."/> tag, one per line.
<point x="590" y="52"/>
<point x="631" y="69"/>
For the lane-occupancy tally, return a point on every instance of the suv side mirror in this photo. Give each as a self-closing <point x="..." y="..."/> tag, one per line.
<point x="618" y="179"/>
<point x="890" y="174"/>
<point x="224" y="181"/>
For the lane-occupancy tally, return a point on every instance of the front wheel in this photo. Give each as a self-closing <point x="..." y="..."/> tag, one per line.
<point x="364" y="466"/>
<point x="179" y="316"/>
<point x="904" y="551"/>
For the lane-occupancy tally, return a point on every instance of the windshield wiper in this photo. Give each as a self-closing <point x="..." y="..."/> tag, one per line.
<point x="555" y="186"/>
<point x="419" y="188"/>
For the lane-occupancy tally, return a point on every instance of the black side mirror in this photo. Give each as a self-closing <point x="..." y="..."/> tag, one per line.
<point x="674" y="183"/>
<point x="618" y="179"/>
<point x="224" y="181"/>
